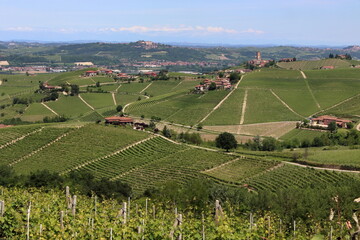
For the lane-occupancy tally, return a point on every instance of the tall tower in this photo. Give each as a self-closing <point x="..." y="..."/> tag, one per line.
<point x="258" y="55"/>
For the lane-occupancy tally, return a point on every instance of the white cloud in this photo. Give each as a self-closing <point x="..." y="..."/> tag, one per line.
<point x="167" y="29"/>
<point x="250" y="30"/>
<point x="20" y="29"/>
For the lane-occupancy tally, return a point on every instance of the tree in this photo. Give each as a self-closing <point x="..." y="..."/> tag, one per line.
<point x="331" y="55"/>
<point x="166" y="132"/>
<point x="97" y="84"/>
<point x="74" y="90"/>
<point x="226" y="141"/>
<point x="221" y="74"/>
<point x="119" y="108"/>
<point x="212" y="86"/>
<point x="332" y="127"/>
<point x="234" y="77"/>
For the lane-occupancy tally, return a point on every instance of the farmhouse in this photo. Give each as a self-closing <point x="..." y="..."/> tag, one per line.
<point x="119" y="120"/>
<point x="49" y="87"/>
<point x="324" y="121"/>
<point x="327" y="67"/>
<point x="91" y="73"/>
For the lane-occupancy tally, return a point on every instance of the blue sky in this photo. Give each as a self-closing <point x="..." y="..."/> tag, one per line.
<point x="282" y="22"/>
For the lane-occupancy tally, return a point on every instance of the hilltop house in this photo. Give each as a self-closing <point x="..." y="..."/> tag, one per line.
<point x="324" y="121"/>
<point x="90" y="73"/>
<point x="119" y="120"/>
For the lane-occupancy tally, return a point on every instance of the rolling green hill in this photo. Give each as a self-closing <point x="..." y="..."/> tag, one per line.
<point x="310" y="65"/>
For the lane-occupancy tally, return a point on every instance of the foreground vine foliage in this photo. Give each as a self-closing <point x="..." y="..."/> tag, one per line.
<point x="52" y="214"/>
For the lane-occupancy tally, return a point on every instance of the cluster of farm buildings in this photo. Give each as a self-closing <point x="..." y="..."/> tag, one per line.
<point x="325" y="120"/>
<point x="219" y="83"/>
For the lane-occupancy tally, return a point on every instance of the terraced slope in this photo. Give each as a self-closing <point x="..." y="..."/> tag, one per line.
<point x="11" y="134"/>
<point x="292" y="176"/>
<point x="240" y="169"/>
<point x="181" y="166"/>
<point x="32" y="143"/>
<point x="81" y="145"/>
<point x="309" y="65"/>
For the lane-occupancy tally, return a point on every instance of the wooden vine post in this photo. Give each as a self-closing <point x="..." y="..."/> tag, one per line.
<point x="73" y="205"/>
<point x="28" y="222"/>
<point x="62" y="219"/>
<point x="68" y="197"/>
<point x="218" y="212"/>
<point x="176" y="226"/>
<point x="2" y="208"/>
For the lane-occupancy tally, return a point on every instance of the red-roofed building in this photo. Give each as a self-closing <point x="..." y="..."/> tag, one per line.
<point x="119" y="120"/>
<point x="324" y="121"/>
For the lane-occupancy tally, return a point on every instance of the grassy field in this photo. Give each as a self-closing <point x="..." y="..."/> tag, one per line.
<point x="36" y="112"/>
<point x="301" y="134"/>
<point x="161" y="87"/>
<point x="98" y="100"/>
<point x="133" y="87"/>
<point x="69" y="106"/>
<point x="123" y="99"/>
<point x="309" y="65"/>
<point x="229" y="113"/>
<point x="335" y="156"/>
<point x="262" y="106"/>
<point x="346" y="109"/>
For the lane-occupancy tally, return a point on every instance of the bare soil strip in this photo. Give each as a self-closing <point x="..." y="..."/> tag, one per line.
<point x="118" y="88"/>
<point x="285" y="104"/>
<point x="243" y="110"/>
<point x="87" y="104"/>
<point x="114" y="99"/>
<point x="222" y="101"/>
<point x="303" y="74"/>
<point x="50" y="109"/>
<point x="146" y="87"/>
<point x="358" y="127"/>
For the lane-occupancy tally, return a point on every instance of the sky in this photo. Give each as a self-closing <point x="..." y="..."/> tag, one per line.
<point x="256" y="22"/>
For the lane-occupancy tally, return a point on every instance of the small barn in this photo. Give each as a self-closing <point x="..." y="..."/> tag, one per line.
<point x="115" y="120"/>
